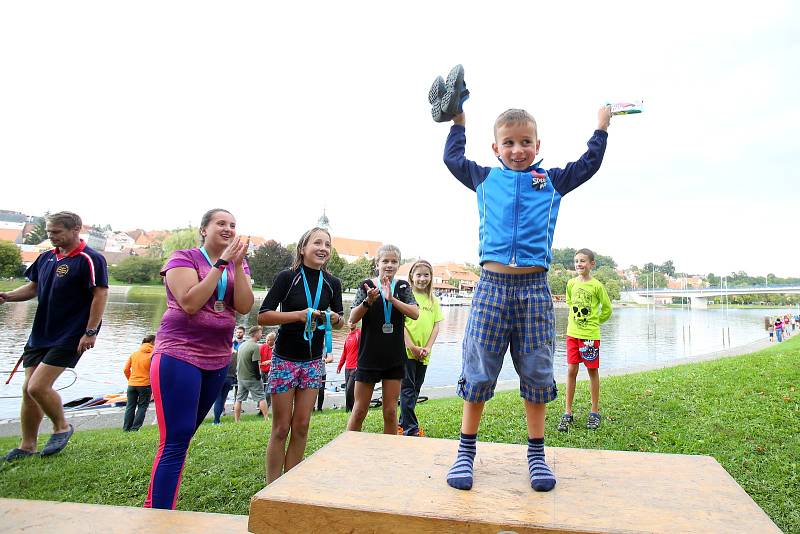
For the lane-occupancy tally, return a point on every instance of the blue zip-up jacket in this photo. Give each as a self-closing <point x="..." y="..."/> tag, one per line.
<point x="518" y="209"/>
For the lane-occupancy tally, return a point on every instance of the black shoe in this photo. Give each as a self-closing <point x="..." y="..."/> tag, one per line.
<point x="593" y="423"/>
<point x="456" y="92"/>
<point x="435" y="94"/>
<point x="17" y="454"/>
<point x="565" y="423"/>
<point x="57" y="442"/>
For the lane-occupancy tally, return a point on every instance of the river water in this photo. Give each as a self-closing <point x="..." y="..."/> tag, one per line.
<point x="632" y="337"/>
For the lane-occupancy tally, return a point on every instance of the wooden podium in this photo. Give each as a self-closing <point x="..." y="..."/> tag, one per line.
<point x="17" y="515"/>
<point x="363" y="482"/>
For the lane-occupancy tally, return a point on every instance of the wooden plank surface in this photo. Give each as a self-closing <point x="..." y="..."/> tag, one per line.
<point x="364" y="482"/>
<point x="17" y="515"/>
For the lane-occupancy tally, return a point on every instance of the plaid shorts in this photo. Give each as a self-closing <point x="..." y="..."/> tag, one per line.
<point x="515" y="309"/>
<point x="286" y="374"/>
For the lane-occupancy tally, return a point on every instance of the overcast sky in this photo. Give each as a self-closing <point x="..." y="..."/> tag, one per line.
<point x="145" y="114"/>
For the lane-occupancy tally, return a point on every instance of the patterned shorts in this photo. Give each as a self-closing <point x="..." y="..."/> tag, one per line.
<point x="515" y="309"/>
<point x="586" y="351"/>
<point x="286" y="374"/>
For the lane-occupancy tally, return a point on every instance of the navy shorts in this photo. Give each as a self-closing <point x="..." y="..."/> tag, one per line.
<point x="515" y="309"/>
<point x="55" y="356"/>
<point x="393" y="373"/>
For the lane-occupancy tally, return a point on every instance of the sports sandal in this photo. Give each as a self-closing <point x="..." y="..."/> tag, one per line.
<point x="435" y="94"/>
<point x="566" y="422"/>
<point x="57" y="442"/>
<point x="456" y="92"/>
<point x="17" y="454"/>
<point x="593" y="423"/>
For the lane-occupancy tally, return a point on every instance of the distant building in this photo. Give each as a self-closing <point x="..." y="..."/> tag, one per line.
<point x="255" y="242"/>
<point x="93" y="237"/>
<point x="11" y="231"/>
<point x="14" y="217"/>
<point x="443" y="274"/>
<point x="324" y="222"/>
<point x="353" y="249"/>
<point x="682" y="282"/>
<point x="118" y="241"/>
<point x="144" y="239"/>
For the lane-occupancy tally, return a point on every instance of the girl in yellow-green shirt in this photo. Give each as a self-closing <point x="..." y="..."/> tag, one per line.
<point x="420" y="336"/>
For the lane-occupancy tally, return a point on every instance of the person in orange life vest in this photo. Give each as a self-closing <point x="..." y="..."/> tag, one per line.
<point x="137" y="371"/>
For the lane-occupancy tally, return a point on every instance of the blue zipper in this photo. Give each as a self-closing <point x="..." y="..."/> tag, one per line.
<point x="516" y="216"/>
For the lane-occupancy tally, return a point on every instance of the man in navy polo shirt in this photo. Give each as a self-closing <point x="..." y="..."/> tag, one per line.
<point x="71" y="283"/>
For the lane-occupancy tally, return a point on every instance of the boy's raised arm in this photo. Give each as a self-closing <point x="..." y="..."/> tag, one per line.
<point x="576" y="173"/>
<point x="468" y="172"/>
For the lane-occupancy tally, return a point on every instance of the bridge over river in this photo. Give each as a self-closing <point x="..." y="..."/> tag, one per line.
<point x="698" y="298"/>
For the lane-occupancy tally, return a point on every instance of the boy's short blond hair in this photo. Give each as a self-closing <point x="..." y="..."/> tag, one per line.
<point x="514" y="116"/>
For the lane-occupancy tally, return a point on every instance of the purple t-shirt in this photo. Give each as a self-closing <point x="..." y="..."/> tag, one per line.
<point x="202" y="339"/>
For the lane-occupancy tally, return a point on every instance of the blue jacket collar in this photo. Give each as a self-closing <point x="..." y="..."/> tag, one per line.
<point x="534" y="167"/>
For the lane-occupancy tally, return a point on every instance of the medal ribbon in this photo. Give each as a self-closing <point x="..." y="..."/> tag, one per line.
<point x="222" y="284"/>
<point x="308" y="333"/>
<point x="387" y="306"/>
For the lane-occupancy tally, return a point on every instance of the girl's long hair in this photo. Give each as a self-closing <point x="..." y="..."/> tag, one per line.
<point x="414" y="266"/>
<point x="297" y="261"/>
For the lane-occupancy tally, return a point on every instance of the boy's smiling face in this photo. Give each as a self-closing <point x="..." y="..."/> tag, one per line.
<point x="516" y="145"/>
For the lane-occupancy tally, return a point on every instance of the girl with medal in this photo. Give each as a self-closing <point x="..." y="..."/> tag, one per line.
<point x="310" y="302"/>
<point x="381" y="304"/>
<point x="205" y="288"/>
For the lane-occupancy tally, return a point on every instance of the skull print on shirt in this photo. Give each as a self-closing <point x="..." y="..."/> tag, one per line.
<point x="581" y="306"/>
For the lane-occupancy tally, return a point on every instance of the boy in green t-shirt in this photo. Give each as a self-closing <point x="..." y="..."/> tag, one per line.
<point x="589" y="307"/>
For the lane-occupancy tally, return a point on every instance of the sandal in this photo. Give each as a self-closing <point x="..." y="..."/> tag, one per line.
<point x="57" y="442"/>
<point x="565" y="422"/>
<point x="17" y="454"/>
<point x="593" y="423"/>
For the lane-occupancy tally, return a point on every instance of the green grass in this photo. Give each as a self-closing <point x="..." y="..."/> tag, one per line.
<point x="138" y="292"/>
<point x="743" y="411"/>
<point x="11" y="284"/>
<point x="115" y="282"/>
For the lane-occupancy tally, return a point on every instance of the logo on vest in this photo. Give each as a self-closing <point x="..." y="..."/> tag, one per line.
<point x="62" y="270"/>
<point x="538" y="180"/>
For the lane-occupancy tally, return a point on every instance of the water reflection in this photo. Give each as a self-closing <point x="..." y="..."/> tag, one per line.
<point x="633" y="336"/>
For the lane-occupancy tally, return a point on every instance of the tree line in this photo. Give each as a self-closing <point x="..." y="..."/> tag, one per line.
<point x="269" y="259"/>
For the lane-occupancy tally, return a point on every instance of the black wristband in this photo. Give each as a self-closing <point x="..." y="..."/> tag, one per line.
<point x="365" y="303"/>
<point x="221" y="263"/>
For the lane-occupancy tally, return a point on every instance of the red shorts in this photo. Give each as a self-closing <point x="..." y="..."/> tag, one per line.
<point x="586" y="351"/>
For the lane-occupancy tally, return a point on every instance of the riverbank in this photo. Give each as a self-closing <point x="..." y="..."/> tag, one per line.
<point x="112" y="417"/>
<point x="743" y="411"/>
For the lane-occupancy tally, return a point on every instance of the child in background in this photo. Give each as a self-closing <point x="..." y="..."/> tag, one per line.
<point x="778" y="329"/>
<point x="420" y="335"/>
<point x="588" y="307"/>
<point x="321" y="393"/>
<point x="137" y="371"/>
<point x="349" y="360"/>
<point x="382" y="304"/>
<point x="265" y="352"/>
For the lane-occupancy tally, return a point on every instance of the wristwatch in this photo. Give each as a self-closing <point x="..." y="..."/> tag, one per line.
<point x="221" y="264"/>
<point x="91" y="332"/>
<point x="365" y="303"/>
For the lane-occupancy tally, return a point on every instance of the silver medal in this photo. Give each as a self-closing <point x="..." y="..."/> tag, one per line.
<point x="219" y="306"/>
<point x="388" y="328"/>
